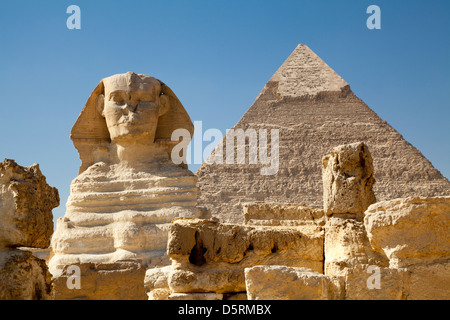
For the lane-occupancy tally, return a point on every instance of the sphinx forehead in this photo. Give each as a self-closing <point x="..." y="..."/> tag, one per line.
<point x="130" y="81"/>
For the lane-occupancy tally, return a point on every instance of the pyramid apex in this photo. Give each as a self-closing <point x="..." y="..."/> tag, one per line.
<point x="305" y="73"/>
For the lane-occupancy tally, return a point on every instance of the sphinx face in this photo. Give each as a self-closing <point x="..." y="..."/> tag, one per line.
<point x="131" y="106"/>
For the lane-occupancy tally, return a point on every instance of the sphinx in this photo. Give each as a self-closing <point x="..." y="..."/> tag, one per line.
<point x="128" y="190"/>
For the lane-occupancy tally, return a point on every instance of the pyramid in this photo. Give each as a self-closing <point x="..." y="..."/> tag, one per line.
<point x="314" y="110"/>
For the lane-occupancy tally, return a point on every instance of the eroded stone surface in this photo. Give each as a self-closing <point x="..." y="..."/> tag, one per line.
<point x="156" y="283"/>
<point x="287" y="283"/>
<point x="26" y="203"/>
<point x="208" y="256"/>
<point x="347" y="174"/>
<point x="347" y="246"/>
<point x="121" y="280"/>
<point x="371" y="282"/>
<point x="410" y="230"/>
<point x="23" y="276"/>
<point x="281" y="214"/>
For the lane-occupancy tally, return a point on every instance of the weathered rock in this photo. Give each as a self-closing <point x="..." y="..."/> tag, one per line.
<point x="159" y="294"/>
<point x="208" y="256"/>
<point x="410" y="230"/>
<point x="347" y="246"/>
<point x="370" y="282"/>
<point x="121" y="280"/>
<point x="281" y="214"/>
<point x="156" y="283"/>
<point x="287" y="283"/>
<point x="429" y="281"/>
<point x="128" y="189"/>
<point x="26" y="203"/>
<point x="314" y="110"/>
<point x="23" y="276"/>
<point x="195" y="296"/>
<point x="347" y="174"/>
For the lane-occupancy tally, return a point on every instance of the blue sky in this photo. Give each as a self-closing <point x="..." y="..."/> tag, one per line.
<point x="216" y="56"/>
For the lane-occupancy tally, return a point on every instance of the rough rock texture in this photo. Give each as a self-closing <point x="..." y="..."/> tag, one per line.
<point x="347" y="175"/>
<point x="281" y="214"/>
<point x="121" y="280"/>
<point x="410" y="230"/>
<point x="287" y="283"/>
<point x="23" y="276"/>
<point x="360" y="286"/>
<point x="347" y="246"/>
<point x="347" y="192"/>
<point x="128" y="189"/>
<point x="195" y="296"/>
<point x="26" y="203"/>
<point x="314" y="110"/>
<point x="156" y="283"/>
<point x="429" y="281"/>
<point x="208" y="256"/>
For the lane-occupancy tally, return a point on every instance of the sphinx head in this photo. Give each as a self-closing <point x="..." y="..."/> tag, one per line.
<point x="131" y="105"/>
<point x="127" y="108"/>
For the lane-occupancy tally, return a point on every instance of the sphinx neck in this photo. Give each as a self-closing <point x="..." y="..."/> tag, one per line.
<point x="134" y="154"/>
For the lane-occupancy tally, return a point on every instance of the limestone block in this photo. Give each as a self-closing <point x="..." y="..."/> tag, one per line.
<point x="410" y="230"/>
<point x="370" y="282"/>
<point x="429" y="282"/>
<point x="347" y="246"/>
<point x="281" y="214"/>
<point x="156" y="283"/>
<point x="121" y="280"/>
<point x="286" y="283"/>
<point x="196" y="296"/>
<point x="159" y="294"/>
<point x="23" y="276"/>
<point x="347" y="174"/>
<point x="208" y="256"/>
<point x="26" y="203"/>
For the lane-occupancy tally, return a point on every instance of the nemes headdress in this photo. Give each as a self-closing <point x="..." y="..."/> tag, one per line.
<point x="90" y="134"/>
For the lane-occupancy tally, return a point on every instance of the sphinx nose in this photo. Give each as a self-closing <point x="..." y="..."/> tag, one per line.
<point x="129" y="107"/>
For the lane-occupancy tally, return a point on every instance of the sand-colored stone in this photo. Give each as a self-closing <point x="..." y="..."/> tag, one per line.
<point x="128" y="189"/>
<point x="26" y="203"/>
<point x="411" y="230"/>
<point x="156" y="283"/>
<point x="287" y="283"/>
<point x="121" y="280"/>
<point x="429" y="281"/>
<point x="347" y="246"/>
<point x="195" y="296"/>
<point x="208" y="256"/>
<point x="23" y="276"/>
<point x="360" y="283"/>
<point x="347" y="175"/>
<point x="281" y="214"/>
<point x="314" y="110"/>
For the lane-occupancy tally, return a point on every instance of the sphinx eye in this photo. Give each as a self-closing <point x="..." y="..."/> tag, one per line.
<point x="117" y="99"/>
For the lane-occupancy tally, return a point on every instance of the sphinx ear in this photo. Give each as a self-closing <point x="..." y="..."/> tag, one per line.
<point x="100" y="104"/>
<point x="164" y="104"/>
